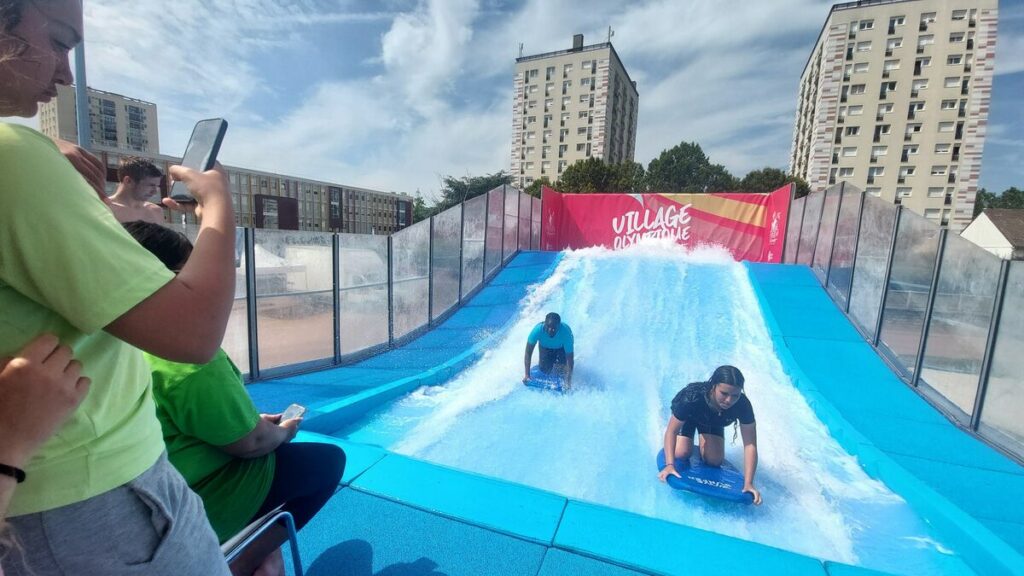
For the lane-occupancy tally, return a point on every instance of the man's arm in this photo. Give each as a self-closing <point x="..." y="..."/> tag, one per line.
<point x="528" y="359"/>
<point x="90" y="167"/>
<point x="749" y="433"/>
<point x="191" y="310"/>
<point x="268" y="434"/>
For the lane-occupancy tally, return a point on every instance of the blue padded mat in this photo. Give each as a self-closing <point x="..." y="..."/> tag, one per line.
<point x="561" y="563"/>
<point x="851" y="376"/>
<point x="357" y="534"/>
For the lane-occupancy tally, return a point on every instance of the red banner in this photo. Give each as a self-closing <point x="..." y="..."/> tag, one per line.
<point x="750" y="226"/>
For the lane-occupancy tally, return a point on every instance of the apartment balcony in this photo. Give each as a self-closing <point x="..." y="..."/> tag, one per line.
<point x="888" y="52"/>
<point x="892" y="28"/>
<point x="952" y="178"/>
<point x="923" y="27"/>
<point x="959" y="131"/>
<point x="873" y="160"/>
<point x="955" y="157"/>
<point x="970" y="43"/>
<point x="871" y="178"/>
<point x="835" y="158"/>
<point x="885" y="74"/>
<point x="901" y="180"/>
<point x="948" y="201"/>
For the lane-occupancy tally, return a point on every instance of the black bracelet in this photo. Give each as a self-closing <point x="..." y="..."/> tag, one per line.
<point x="17" y="473"/>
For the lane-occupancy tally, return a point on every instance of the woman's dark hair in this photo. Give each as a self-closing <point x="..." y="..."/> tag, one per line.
<point x="727" y="375"/>
<point x="170" y="246"/>
<point x="10" y="14"/>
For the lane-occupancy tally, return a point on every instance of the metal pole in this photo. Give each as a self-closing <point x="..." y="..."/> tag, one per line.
<point x="430" y="273"/>
<point x="789" y="212"/>
<point x="250" y="303"/>
<point x="990" y="344"/>
<point x="391" y="294"/>
<point x="856" y="249"/>
<point x="800" y="230"/>
<point x="817" y="230"/>
<point x="540" y="236"/>
<point x="82" y="99"/>
<point x="501" y="261"/>
<point x="929" y="306"/>
<point x="336" y="259"/>
<point x="462" y="240"/>
<point x="835" y="232"/>
<point x="887" y="277"/>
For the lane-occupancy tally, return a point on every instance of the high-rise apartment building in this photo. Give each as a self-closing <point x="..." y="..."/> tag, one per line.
<point x="117" y="121"/>
<point x="571" y="105"/>
<point x="894" y="99"/>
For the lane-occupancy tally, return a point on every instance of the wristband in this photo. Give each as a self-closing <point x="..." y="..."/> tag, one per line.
<point x="17" y="473"/>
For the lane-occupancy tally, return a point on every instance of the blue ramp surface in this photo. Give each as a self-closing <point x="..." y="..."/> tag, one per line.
<point x="884" y="421"/>
<point x="429" y="359"/>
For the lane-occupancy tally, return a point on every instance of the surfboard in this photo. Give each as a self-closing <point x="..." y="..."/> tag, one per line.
<point x="725" y="482"/>
<point x="542" y="381"/>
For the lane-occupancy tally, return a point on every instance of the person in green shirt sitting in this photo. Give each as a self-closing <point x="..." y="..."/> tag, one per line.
<point x="239" y="461"/>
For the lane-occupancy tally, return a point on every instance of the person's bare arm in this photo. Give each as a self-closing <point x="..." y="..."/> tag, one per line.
<point x="749" y="433"/>
<point x="671" y="431"/>
<point x="528" y="360"/>
<point x="268" y="434"/>
<point x="39" y="388"/>
<point x="184" y="321"/>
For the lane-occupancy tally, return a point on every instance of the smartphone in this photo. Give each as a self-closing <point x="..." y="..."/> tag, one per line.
<point x="201" y="153"/>
<point x="293" y="411"/>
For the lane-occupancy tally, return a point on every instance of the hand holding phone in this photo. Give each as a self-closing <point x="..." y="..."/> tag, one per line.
<point x="293" y="411"/>
<point x="201" y="153"/>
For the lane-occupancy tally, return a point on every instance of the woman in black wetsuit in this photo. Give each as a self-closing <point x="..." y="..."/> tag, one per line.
<point x="708" y="407"/>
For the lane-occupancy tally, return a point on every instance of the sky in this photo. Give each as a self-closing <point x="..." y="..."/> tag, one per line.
<point x="395" y="94"/>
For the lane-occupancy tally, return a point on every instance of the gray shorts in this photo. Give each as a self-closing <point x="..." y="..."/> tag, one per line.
<point x="152" y="525"/>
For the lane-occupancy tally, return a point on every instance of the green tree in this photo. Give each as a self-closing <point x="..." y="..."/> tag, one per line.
<point x="1012" y="197"/>
<point x="455" y="190"/>
<point x="685" y="168"/>
<point x="594" y="175"/>
<point x="771" y="179"/>
<point x="630" y="177"/>
<point x="535" y="188"/>
<point x="420" y="210"/>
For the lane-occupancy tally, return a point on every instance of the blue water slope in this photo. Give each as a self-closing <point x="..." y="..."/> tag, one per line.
<point x="894" y="432"/>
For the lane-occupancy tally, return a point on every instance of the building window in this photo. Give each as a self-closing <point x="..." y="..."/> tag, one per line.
<point x="949" y="104"/>
<point x="874" y="191"/>
<point x="860" y="67"/>
<point x="932" y="213"/>
<point x="849" y="151"/>
<point x="942" y="148"/>
<point x="867" y="24"/>
<point x="938" y="170"/>
<point x="951" y="82"/>
<point x="857" y="89"/>
<point x="904" y="192"/>
<point x="856" y="110"/>
<point x="884" y="109"/>
<point x="925" y="40"/>
<point x="864" y="46"/>
<point x="846" y="172"/>
<point x="893" y="43"/>
<point x="945" y="126"/>
<point x="954" y="59"/>
<point x="936" y="192"/>
<point x="879" y="150"/>
<point x="959" y="14"/>
<point x="956" y="37"/>
<point x="852" y="130"/>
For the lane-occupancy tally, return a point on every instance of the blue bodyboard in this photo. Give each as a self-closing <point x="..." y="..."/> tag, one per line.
<point x="542" y="381"/>
<point x="725" y="482"/>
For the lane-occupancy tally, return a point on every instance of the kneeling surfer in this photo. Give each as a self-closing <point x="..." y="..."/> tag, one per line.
<point x="708" y="407"/>
<point x="556" y="348"/>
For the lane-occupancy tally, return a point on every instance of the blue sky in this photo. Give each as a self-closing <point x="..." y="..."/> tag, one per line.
<point x="395" y="94"/>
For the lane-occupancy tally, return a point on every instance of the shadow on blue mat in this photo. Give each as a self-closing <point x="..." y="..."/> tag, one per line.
<point x="355" y="558"/>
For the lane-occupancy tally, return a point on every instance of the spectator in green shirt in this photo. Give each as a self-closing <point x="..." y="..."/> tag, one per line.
<point x="239" y="461"/>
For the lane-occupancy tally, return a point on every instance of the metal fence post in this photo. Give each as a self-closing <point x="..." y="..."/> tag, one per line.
<point x="462" y="240"/>
<point x="990" y="344"/>
<point x="800" y="230"/>
<point x="856" y="249"/>
<point x="250" y="303"/>
<point x="817" y="229"/>
<point x="789" y="212"/>
<point x="430" y="272"/>
<point x="336" y="259"/>
<point x="929" y="306"/>
<point x="835" y="232"/>
<point x="391" y="293"/>
<point x="887" y="277"/>
<point x="501" y="259"/>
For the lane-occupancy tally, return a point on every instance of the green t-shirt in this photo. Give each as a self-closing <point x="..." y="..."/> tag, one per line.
<point x="201" y="407"/>
<point x="68" y="267"/>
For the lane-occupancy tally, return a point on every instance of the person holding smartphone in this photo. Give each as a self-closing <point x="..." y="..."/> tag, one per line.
<point x="239" y="461"/>
<point x="99" y="497"/>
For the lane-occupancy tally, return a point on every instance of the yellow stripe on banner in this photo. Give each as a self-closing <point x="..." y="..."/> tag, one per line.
<point x="744" y="212"/>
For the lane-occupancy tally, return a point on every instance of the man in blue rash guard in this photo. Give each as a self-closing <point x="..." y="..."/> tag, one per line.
<point x="556" y="348"/>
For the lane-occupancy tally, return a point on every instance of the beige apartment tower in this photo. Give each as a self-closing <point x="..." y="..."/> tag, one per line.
<point x="117" y="121"/>
<point x="894" y="99"/>
<point x="571" y="105"/>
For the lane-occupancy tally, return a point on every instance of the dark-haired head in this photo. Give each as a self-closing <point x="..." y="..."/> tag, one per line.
<point x="170" y="246"/>
<point x="551" y="323"/>
<point x="730" y="375"/>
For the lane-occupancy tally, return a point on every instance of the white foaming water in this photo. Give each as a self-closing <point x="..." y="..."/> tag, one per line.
<point x="648" y="321"/>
